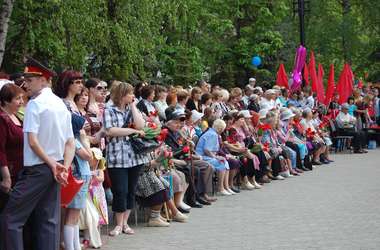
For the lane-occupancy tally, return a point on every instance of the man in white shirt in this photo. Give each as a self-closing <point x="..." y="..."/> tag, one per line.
<point x="48" y="152"/>
<point x="346" y="126"/>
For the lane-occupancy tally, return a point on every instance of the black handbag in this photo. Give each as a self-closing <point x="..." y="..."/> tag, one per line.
<point x="140" y="145"/>
<point x="143" y="146"/>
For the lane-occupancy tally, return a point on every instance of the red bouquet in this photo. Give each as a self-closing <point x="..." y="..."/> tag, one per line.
<point x="266" y="147"/>
<point x="262" y="128"/>
<point x="310" y="134"/>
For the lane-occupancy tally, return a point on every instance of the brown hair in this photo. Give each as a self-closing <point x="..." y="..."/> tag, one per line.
<point x="65" y="79"/>
<point x="8" y="92"/>
<point x="195" y="90"/>
<point x="182" y="95"/>
<point x="119" y="90"/>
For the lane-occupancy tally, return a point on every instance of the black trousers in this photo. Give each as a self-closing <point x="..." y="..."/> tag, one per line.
<point x="263" y="164"/>
<point x="276" y="166"/>
<point x="124" y="184"/>
<point x="35" y="194"/>
<point x="247" y="168"/>
<point x="359" y="140"/>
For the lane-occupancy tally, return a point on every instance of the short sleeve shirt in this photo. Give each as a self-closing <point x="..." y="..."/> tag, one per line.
<point x="208" y="141"/>
<point x="46" y="116"/>
<point x="119" y="150"/>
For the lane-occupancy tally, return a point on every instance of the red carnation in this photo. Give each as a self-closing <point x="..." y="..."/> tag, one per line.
<point x="186" y="149"/>
<point x="153" y="113"/>
<point x="152" y="125"/>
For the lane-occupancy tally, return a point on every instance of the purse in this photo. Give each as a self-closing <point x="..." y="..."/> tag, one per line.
<point x="143" y="145"/>
<point x="71" y="189"/>
<point x="140" y="145"/>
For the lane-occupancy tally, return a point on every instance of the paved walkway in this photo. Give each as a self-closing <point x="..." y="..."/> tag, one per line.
<point x="333" y="207"/>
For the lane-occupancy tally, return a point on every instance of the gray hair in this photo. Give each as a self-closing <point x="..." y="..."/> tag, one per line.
<point x="219" y="125"/>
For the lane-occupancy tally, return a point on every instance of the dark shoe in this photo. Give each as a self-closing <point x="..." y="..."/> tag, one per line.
<point x="358" y="152"/>
<point x="209" y="199"/>
<point x="305" y="169"/>
<point x="324" y="161"/>
<point x="316" y="163"/>
<point x="203" y="202"/>
<point x="195" y="205"/>
<point x="184" y="211"/>
<point x="235" y="190"/>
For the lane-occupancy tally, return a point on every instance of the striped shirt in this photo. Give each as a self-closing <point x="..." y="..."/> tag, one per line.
<point x="119" y="150"/>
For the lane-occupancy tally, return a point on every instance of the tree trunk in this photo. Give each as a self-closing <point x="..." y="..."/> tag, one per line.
<point x="345" y="44"/>
<point x="5" y="14"/>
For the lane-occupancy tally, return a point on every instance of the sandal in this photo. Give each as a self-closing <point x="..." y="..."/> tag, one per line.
<point x="128" y="230"/>
<point x="116" y="231"/>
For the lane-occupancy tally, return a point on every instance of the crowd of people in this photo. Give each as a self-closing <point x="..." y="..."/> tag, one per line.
<point x="211" y="141"/>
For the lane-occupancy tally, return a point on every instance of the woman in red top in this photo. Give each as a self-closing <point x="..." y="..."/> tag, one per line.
<point x="11" y="134"/>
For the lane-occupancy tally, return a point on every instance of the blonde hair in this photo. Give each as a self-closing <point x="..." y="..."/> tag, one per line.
<point x="119" y="90"/>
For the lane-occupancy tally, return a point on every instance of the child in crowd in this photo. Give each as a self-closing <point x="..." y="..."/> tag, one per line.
<point x="81" y="170"/>
<point x="96" y="213"/>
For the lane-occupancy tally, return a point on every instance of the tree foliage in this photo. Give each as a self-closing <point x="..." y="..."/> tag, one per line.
<point x="187" y="40"/>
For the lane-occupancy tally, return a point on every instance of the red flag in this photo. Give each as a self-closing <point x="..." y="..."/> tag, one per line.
<point x="345" y="84"/>
<point x="320" y="87"/>
<point x="330" y="86"/>
<point x="306" y="74"/>
<point x="282" y="77"/>
<point x="313" y="73"/>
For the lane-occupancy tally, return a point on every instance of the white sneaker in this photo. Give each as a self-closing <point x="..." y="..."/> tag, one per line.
<point x="230" y="191"/>
<point x="285" y="174"/>
<point x="185" y="206"/>
<point x="279" y="178"/>
<point x="247" y="186"/>
<point x="224" y="193"/>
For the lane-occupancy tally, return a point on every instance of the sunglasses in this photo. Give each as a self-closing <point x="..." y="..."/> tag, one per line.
<point x="100" y="88"/>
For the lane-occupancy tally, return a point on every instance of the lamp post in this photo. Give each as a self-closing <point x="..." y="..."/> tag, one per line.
<point x="299" y="7"/>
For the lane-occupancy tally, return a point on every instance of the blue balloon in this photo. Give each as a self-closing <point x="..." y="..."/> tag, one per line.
<point x="256" y="61"/>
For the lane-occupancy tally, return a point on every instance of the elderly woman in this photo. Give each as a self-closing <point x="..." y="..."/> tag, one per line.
<point x="283" y="137"/>
<point x="208" y="147"/>
<point x="269" y="138"/>
<point x="316" y="143"/>
<point x="153" y="191"/>
<point x="11" y="134"/>
<point x="236" y="142"/>
<point x="124" y="165"/>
